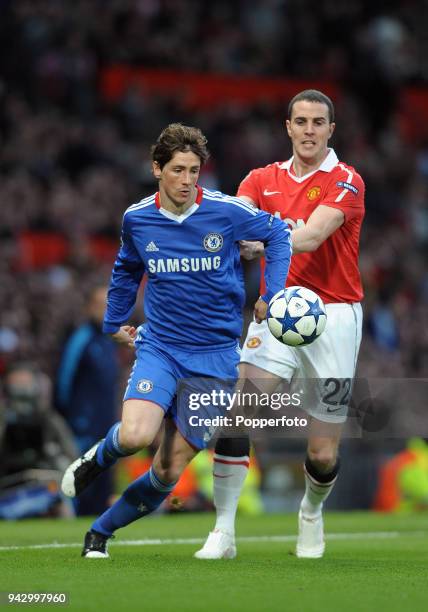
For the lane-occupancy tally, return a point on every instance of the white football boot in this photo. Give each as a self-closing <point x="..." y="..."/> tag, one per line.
<point x="310" y="541"/>
<point x="219" y="545"/>
<point x="81" y="473"/>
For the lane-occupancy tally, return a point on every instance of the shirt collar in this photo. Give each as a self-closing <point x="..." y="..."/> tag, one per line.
<point x="180" y="218"/>
<point x="327" y="165"/>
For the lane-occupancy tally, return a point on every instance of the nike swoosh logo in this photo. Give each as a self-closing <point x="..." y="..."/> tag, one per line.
<point x="227" y="476"/>
<point x="268" y="193"/>
<point x="334" y="409"/>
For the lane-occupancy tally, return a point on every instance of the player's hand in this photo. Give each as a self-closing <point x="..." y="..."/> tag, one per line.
<point x="260" y="310"/>
<point x="251" y="249"/>
<point x="125" y="335"/>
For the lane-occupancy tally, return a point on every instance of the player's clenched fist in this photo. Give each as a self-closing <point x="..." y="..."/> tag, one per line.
<point x="251" y="249"/>
<point x="125" y="335"/>
<point x="260" y="310"/>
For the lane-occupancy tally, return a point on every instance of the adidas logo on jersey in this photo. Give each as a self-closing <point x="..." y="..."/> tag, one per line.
<point x="151" y="247"/>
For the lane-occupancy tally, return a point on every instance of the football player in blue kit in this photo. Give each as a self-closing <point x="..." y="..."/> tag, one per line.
<point x="186" y="240"/>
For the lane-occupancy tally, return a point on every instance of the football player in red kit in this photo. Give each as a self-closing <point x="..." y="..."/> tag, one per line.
<point x="322" y="200"/>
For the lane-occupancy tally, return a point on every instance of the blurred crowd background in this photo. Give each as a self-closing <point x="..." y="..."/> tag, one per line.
<point x="87" y="86"/>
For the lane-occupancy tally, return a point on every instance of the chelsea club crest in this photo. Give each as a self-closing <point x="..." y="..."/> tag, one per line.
<point x="213" y="242"/>
<point x="144" y="385"/>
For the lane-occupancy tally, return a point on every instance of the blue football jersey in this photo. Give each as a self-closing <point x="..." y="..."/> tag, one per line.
<point x="195" y="290"/>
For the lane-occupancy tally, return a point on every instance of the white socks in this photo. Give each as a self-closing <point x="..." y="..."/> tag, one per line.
<point x="315" y="494"/>
<point x="229" y="475"/>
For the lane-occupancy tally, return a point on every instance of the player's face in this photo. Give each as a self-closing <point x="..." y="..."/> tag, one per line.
<point x="310" y="130"/>
<point x="177" y="180"/>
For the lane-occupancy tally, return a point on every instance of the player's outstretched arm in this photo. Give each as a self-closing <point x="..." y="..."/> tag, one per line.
<point x="321" y="224"/>
<point x="252" y="224"/>
<point x="127" y="273"/>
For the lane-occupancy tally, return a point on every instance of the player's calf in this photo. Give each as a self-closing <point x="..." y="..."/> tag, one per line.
<point x="310" y="541"/>
<point x="230" y="467"/>
<point x="318" y="487"/>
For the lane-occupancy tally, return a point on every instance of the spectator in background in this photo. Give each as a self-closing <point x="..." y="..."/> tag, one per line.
<point x="35" y="445"/>
<point x="87" y="391"/>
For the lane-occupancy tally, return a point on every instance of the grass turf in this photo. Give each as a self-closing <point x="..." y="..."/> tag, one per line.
<point x="363" y="572"/>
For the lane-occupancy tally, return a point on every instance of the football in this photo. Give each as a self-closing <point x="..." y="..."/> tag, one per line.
<point x="296" y="316"/>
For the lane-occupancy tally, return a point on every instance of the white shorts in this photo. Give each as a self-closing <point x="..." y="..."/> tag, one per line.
<point x="329" y="362"/>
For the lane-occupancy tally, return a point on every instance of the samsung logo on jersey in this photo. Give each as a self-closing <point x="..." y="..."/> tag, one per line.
<point x="347" y="186"/>
<point x="186" y="264"/>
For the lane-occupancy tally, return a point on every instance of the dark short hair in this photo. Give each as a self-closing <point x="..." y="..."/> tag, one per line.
<point x="178" y="137"/>
<point x="312" y="95"/>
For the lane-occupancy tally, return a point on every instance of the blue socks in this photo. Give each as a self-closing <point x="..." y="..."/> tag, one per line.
<point x="141" y="498"/>
<point x="109" y="451"/>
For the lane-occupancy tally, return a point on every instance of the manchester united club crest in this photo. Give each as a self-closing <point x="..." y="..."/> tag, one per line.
<point x="253" y="342"/>
<point x="313" y="193"/>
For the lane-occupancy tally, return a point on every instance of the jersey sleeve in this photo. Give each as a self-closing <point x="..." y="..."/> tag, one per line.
<point x="346" y="192"/>
<point x="250" y="223"/>
<point x="125" y="280"/>
<point x="249" y="186"/>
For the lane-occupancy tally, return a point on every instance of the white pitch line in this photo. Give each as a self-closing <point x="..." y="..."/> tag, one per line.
<point x="379" y="535"/>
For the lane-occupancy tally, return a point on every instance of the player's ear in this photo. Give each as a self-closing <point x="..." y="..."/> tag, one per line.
<point x="332" y="127"/>
<point x="288" y="126"/>
<point x="156" y="169"/>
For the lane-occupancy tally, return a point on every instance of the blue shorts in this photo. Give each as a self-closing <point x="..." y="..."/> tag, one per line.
<point x="176" y="380"/>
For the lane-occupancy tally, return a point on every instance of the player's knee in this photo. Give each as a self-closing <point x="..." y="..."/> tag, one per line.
<point x="134" y="438"/>
<point x="323" y="458"/>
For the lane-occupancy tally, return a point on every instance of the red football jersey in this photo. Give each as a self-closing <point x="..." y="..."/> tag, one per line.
<point x="332" y="270"/>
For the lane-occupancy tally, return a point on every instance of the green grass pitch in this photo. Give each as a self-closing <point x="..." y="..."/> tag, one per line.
<point x="372" y="562"/>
